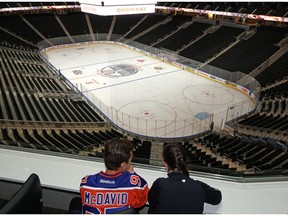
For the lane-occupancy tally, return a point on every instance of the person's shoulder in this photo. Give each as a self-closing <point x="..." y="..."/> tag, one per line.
<point x="88" y="178"/>
<point x="161" y="180"/>
<point x="133" y="174"/>
<point x="200" y="183"/>
<point x="134" y="178"/>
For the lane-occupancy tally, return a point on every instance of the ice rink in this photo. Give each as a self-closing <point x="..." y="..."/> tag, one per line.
<point x="145" y="95"/>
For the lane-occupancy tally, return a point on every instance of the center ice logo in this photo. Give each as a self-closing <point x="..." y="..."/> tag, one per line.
<point x="119" y="70"/>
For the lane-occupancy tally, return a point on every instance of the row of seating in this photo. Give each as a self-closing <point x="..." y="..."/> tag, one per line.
<point x="211" y="43"/>
<point x="34" y="107"/>
<point x="243" y="150"/>
<point x="277" y="90"/>
<point x="262" y="8"/>
<point x="142" y="149"/>
<point x="256" y="153"/>
<point x="22" y="82"/>
<point x="84" y="142"/>
<point x="278" y="69"/>
<point x="123" y="24"/>
<point x="144" y="24"/>
<point x="272" y="112"/>
<point x="21" y="55"/>
<point x="278" y="106"/>
<point x="249" y="53"/>
<point x="184" y="36"/>
<point x="58" y="140"/>
<point x="275" y="122"/>
<point x="31" y="90"/>
<point x="35" y="4"/>
<point x="163" y="29"/>
<point x="200" y="157"/>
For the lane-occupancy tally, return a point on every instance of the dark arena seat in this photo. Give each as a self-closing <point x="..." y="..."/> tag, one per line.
<point x="28" y="200"/>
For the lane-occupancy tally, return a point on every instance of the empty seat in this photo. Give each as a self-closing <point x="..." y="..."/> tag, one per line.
<point x="28" y="200"/>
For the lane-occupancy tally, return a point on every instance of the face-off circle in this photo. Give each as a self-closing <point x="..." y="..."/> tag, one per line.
<point x="208" y="95"/>
<point x="155" y="114"/>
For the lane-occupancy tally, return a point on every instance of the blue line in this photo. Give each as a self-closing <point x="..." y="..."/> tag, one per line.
<point x="131" y="81"/>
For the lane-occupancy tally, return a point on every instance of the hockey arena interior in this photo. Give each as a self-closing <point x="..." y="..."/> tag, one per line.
<point x="57" y="112"/>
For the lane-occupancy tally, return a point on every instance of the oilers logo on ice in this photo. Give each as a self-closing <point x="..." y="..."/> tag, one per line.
<point x="119" y="70"/>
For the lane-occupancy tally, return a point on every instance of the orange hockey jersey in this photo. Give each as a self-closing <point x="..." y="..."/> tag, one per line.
<point x="103" y="194"/>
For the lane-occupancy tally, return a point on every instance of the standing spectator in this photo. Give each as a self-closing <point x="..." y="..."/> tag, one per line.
<point x="119" y="187"/>
<point x="211" y="127"/>
<point x="179" y="193"/>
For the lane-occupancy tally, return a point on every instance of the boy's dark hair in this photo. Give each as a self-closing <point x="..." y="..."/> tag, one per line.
<point x="175" y="157"/>
<point x="117" y="151"/>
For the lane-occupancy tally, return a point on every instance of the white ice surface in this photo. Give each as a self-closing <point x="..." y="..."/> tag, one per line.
<point x="155" y="99"/>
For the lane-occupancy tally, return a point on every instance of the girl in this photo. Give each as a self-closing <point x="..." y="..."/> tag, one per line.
<point x="179" y="193"/>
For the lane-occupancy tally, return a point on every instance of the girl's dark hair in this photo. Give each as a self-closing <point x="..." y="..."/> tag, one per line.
<point x="117" y="151"/>
<point x="175" y="157"/>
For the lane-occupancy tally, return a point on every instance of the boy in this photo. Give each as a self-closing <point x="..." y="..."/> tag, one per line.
<point x="119" y="187"/>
